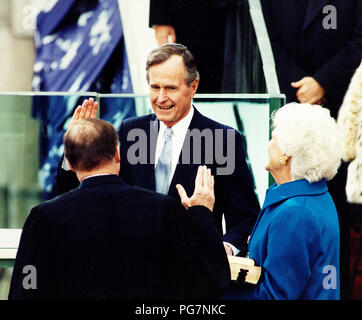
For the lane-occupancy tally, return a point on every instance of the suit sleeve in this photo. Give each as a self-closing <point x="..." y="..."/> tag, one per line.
<point x="341" y="66"/>
<point x="66" y="180"/>
<point x="240" y="204"/>
<point x="33" y="274"/>
<point x="287" y="68"/>
<point x="161" y="13"/>
<point x="202" y="262"/>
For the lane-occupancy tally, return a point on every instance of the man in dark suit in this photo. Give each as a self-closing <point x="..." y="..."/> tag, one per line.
<point x="173" y="80"/>
<point x="317" y="46"/>
<point x="108" y="240"/>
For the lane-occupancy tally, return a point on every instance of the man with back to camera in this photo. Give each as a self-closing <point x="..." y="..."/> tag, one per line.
<point x="108" y="240"/>
<point x="173" y="80"/>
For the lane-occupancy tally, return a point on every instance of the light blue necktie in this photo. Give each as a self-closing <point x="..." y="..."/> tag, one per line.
<point x="163" y="167"/>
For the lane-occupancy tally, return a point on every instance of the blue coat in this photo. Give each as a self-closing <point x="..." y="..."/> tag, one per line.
<point x="296" y="242"/>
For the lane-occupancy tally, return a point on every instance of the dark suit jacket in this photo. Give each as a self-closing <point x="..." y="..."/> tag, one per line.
<point x="107" y="240"/>
<point x="234" y="194"/>
<point x="329" y="55"/>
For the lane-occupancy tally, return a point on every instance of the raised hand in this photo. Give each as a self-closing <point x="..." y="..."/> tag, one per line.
<point x="203" y="193"/>
<point x="87" y="110"/>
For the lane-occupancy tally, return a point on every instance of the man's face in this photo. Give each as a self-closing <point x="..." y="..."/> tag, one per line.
<point x="169" y="94"/>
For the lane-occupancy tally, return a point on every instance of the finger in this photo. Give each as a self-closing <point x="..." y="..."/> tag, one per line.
<point x="210" y="184"/>
<point x="77" y="112"/>
<point x="308" y="96"/>
<point x="204" y="177"/>
<point x="183" y="195"/>
<point x="198" y="180"/>
<point x="302" y="94"/>
<point x="313" y="100"/>
<point x="84" y="109"/>
<point x="210" y="176"/>
<point x="297" y="84"/>
<point x="181" y="191"/>
<point x="94" y="111"/>
<point x="89" y="108"/>
<point x="207" y="177"/>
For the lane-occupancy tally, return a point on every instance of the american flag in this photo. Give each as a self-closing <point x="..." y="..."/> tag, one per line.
<point x="79" y="47"/>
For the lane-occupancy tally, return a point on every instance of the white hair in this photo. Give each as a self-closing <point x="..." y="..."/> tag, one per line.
<point x="311" y="137"/>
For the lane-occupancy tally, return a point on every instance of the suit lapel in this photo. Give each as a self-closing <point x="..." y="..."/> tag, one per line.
<point x="183" y="171"/>
<point x="149" y="169"/>
<point x="314" y="8"/>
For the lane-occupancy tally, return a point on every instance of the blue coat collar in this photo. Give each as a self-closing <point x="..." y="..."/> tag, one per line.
<point x="277" y="193"/>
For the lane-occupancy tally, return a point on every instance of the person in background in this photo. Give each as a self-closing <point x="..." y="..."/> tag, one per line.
<point x="108" y="240"/>
<point x="296" y="237"/>
<point x="317" y="46"/>
<point x="350" y="122"/>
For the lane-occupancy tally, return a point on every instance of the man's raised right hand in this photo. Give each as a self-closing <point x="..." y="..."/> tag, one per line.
<point x="204" y="190"/>
<point x="88" y="110"/>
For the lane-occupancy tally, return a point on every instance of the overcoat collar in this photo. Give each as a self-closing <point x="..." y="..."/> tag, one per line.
<point x="109" y="179"/>
<point x="278" y="193"/>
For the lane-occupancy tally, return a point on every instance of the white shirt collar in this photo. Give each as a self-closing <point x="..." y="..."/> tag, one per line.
<point x="180" y="128"/>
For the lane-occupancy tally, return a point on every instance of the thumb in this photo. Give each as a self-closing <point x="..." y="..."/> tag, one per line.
<point x="297" y="84"/>
<point x="183" y="195"/>
<point x="181" y="191"/>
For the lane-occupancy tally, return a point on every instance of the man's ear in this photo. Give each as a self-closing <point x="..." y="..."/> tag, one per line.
<point x="118" y="155"/>
<point x="194" y="86"/>
<point x="70" y="166"/>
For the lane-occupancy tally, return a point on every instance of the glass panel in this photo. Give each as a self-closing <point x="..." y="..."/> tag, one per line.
<point x="32" y="127"/>
<point x="31" y="139"/>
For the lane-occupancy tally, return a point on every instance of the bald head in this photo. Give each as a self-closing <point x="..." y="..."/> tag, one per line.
<point x="89" y="144"/>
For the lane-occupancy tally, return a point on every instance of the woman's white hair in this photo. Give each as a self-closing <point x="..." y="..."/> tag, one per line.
<point x="311" y="137"/>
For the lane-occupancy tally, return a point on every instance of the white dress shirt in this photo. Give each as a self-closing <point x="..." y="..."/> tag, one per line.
<point x="179" y="131"/>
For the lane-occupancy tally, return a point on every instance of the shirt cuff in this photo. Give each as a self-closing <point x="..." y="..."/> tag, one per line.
<point x="235" y="250"/>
